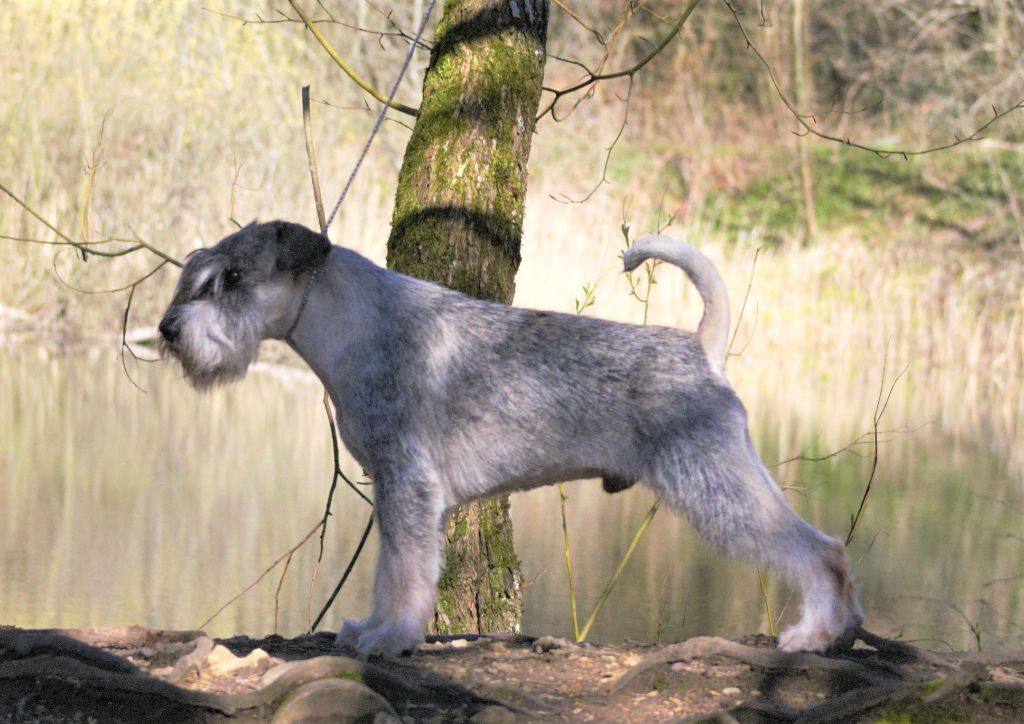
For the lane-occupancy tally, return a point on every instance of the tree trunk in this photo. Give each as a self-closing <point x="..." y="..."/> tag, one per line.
<point x="458" y="221"/>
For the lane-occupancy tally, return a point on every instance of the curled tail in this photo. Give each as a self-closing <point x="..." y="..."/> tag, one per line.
<point x="713" y="331"/>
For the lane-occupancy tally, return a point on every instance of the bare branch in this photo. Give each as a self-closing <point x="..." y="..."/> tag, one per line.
<point x="314" y="174"/>
<point x="579" y="21"/>
<point x="743" y="309"/>
<point x="594" y="78"/>
<point x="809" y="129"/>
<point x="346" y="68"/>
<point x="880" y="405"/>
<point x="565" y="199"/>
<point x="344" y="576"/>
<point x="365" y="108"/>
<point x="272" y="566"/>
<point x="329" y="20"/>
<point x="865" y="438"/>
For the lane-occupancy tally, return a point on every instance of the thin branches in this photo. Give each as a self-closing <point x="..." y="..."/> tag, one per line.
<point x="286" y="555"/>
<point x="565" y="199"/>
<point x="594" y="78"/>
<point x="395" y="32"/>
<point x="346" y="68"/>
<point x="743" y="309"/>
<point x="866" y="438"/>
<point x="807" y="120"/>
<point x="85" y="247"/>
<point x="344" y="576"/>
<point x="881" y="403"/>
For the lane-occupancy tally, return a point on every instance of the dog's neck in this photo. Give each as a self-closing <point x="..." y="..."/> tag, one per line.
<point x="340" y="310"/>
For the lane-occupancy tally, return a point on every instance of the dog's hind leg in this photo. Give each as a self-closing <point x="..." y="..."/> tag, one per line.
<point x="732" y="501"/>
<point x="410" y="518"/>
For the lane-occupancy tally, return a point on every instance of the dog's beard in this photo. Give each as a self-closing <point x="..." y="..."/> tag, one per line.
<point x="211" y="348"/>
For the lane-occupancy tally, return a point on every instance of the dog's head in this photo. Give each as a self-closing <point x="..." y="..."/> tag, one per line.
<point x="234" y="295"/>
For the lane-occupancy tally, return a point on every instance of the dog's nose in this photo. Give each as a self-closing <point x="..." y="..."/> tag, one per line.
<point x="167" y="331"/>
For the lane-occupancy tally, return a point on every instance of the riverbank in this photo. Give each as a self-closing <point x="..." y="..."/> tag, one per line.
<point x="137" y="674"/>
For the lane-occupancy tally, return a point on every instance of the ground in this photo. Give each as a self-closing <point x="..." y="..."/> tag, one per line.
<point x="133" y="674"/>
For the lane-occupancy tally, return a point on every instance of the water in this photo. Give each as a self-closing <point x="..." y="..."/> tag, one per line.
<point x="119" y="506"/>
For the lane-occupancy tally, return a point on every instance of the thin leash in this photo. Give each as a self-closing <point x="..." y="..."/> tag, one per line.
<point x="380" y="116"/>
<point x="359" y="162"/>
<point x="302" y="305"/>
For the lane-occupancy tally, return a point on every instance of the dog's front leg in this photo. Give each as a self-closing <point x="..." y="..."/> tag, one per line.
<point x="410" y="516"/>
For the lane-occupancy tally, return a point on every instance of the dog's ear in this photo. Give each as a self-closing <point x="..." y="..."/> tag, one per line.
<point x="298" y="248"/>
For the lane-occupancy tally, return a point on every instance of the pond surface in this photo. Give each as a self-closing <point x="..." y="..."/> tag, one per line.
<point x="119" y="506"/>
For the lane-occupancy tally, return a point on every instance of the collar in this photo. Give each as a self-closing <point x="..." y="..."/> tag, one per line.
<point x="302" y="305"/>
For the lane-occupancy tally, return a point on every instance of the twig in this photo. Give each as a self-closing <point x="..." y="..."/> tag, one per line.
<point x="743" y="309"/>
<point x="579" y="21"/>
<point x="124" y="340"/>
<point x="593" y="78"/>
<point x="335" y="448"/>
<point x="618" y="570"/>
<point x="125" y="347"/>
<point x="277" y="593"/>
<point x="344" y="576"/>
<point x="865" y="438"/>
<point x="364" y="108"/>
<point x="568" y="564"/>
<point x="314" y="175"/>
<point x="286" y="554"/>
<point x="772" y="630"/>
<point x="86" y="246"/>
<point x="565" y="199"/>
<point x="91" y="166"/>
<point x="124" y="288"/>
<point x="346" y="68"/>
<point x="330" y="20"/>
<point x="809" y="129"/>
<point x="880" y="405"/>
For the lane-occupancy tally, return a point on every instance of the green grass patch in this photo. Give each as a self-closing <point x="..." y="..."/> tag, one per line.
<point x="964" y="193"/>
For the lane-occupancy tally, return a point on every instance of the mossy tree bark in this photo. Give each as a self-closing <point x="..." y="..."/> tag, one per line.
<point x="458" y="221"/>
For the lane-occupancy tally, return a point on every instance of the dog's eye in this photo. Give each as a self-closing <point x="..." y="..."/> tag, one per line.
<point x="231" y="278"/>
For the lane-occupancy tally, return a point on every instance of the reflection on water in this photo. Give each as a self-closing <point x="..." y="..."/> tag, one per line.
<point x="122" y="507"/>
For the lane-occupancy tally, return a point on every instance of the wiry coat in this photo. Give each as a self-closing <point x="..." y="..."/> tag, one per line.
<point x="443" y="398"/>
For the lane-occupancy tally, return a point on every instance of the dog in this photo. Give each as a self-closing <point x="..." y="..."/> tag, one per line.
<point x="443" y="399"/>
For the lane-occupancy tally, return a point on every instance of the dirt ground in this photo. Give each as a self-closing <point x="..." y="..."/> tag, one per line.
<point x="133" y="674"/>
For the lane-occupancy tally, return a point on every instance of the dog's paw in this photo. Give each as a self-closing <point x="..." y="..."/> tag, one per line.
<point x="350" y="631"/>
<point x="390" y="638"/>
<point x="806" y="638"/>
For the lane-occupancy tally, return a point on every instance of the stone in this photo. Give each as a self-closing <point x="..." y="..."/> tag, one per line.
<point x="494" y="714"/>
<point x="192" y="661"/>
<point x="551" y="643"/>
<point x="257" y="661"/>
<point x="338" y="701"/>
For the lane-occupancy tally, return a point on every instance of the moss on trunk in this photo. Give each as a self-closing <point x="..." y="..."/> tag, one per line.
<point x="458" y="221"/>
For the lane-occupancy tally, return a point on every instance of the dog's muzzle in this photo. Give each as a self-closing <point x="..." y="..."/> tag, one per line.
<point x="168" y="331"/>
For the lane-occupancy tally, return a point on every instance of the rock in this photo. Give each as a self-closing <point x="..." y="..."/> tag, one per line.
<point x="550" y="643"/>
<point x="494" y="714"/>
<point x="218" y="656"/>
<point x="334" y="700"/>
<point x="192" y="661"/>
<point x="258" y="661"/>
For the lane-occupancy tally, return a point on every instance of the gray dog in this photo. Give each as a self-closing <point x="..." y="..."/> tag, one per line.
<point x="443" y="399"/>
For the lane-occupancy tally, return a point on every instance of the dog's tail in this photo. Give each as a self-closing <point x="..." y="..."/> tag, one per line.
<point x="713" y="331"/>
